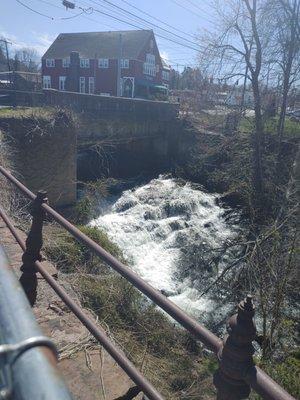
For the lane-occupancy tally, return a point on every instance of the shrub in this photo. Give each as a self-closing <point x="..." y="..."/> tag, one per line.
<point x="70" y="255"/>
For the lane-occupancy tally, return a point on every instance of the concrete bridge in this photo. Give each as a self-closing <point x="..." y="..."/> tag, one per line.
<point x="110" y="137"/>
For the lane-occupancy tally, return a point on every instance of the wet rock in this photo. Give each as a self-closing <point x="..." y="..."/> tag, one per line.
<point x="121" y="207"/>
<point x="233" y="199"/>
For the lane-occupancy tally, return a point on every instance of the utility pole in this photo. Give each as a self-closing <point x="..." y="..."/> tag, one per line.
<point x="119" y="88"/>
<point x="244" y="89"/>
<point x="6" y="49"/>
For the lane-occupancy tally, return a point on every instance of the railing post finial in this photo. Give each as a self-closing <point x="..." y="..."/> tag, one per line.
<point x="235" y="356"/>
<point x="34" y="243"/>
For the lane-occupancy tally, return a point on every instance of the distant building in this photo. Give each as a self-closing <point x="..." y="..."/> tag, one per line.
<point x="166" y="72"/>
<point x="92" y="62"/>
<point x="235" y="98"/>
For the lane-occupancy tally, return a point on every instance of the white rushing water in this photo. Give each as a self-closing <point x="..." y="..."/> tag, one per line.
<point x="154" y="223"/>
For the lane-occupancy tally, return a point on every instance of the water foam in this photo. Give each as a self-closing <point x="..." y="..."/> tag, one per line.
<point x="153" y="223"/>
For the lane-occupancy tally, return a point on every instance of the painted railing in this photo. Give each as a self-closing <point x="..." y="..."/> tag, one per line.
<point x="237" y="372"/>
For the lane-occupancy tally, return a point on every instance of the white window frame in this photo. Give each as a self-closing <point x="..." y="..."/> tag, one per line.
<point x="66" y="62"/>
<point x="166" y="75"/>
<point x="105" y="94"/>
<point x="84" y="63"/>
<point x="50" y="62"/>
<point x="149" y="69"/>
<point x="103" y="63"/>
<point x="124" y="63"/>
<point x="62" y="83"/>
<point x="150" y="59"/>
<point x="46" y="82"/>
<point x="82" y="84"/>
<point x="91" y="84"/>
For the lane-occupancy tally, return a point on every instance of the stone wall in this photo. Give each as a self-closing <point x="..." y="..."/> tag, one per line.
<point x="44" y="147"/>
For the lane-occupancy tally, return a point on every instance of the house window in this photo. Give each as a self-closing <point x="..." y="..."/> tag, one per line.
<point x="47" y="82"/>
<point x="150" y="59"/>
<point x="84" y="63"/>
<point x="91" y="85"/>
<point x="103" y="63"/>
<point x="149" y="69"/>
<point x="62" y="83"/>
<point x="166" y="75"/>
<point x="82" y="84"/>
<point x="124" y="63"/>
<point x="50" y="62"/>
<point x="66" y="62"/>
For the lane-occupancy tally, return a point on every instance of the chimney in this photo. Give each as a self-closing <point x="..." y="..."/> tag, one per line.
<point x="72" y="80"/>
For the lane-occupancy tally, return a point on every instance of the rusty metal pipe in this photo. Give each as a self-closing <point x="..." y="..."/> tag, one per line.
<point x="264" y="385"/>
<point x="94" y="329"/>
<point x="30" y="373"/>
<point x="210" y="340"/>
<point x="259" y="381"/>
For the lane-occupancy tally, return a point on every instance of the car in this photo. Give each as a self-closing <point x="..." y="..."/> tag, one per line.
<point x="296" y="113"/>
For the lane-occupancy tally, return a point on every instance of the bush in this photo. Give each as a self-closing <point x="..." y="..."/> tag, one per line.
<point x="71" y="255"/>
<point x="286" y="373"/>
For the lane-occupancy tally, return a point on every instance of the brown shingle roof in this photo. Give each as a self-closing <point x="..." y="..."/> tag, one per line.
<point x="101" y="44"/>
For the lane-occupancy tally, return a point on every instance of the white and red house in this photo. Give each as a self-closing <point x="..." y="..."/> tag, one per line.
<point x="119" y="63"/>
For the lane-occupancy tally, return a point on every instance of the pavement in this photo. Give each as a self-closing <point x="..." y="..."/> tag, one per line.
<point x="89" y="371"/>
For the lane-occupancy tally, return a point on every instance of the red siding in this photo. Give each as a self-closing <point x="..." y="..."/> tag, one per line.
<point x="106" y="78"/>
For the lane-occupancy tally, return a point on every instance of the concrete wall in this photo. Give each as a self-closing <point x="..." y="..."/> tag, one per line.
<point x="124" y="148"/>
<point x="21" y="98"/>
<point x="118" y="136"/>
<point x="44" y="154"/>
<point x="107" y="106"/>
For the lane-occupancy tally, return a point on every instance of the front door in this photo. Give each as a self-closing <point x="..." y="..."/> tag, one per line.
<point x="128" y="87"/>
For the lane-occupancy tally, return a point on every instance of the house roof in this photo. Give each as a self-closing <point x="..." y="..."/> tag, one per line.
<point x="101" y="44"/>
<point x="165" y="64"/>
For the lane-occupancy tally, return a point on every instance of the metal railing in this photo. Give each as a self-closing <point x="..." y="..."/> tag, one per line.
<point x="27" y="358"/>
<point x="237" y="372"/>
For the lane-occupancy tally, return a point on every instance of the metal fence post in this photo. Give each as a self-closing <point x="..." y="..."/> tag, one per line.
<point x="34" y="244"/>
<point x="235" y="356"/>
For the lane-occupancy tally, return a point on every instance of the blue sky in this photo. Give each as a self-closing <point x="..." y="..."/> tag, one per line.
<point x="27" y="28"/>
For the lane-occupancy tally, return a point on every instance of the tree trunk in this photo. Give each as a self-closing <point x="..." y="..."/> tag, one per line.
<point x="286" y="86"/>
<point x="258" y="137"/>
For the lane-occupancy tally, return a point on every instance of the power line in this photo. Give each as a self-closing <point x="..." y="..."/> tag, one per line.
<point x="146" y="21"/>
<point x="199" y="8"/>
<point x="157" y="19"/>
<point x="139" y="27"/>
<point x="190" y="11"/>
<point x="35" y="11"/>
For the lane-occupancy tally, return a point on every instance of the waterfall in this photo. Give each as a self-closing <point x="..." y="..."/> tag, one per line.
<point x="157" y="224"/>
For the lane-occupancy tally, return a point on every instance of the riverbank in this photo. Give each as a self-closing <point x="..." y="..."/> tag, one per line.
<point x="266" y="266"/>
<point x="171" y="359"/>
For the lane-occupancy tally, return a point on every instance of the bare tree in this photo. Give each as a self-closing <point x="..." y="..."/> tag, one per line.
<point x="26" y="59"/>
<point x="286" y="49"/>
<point x="238" y="45"/>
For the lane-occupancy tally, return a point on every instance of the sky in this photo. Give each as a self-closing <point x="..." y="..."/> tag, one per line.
<point x="38" y="28"/>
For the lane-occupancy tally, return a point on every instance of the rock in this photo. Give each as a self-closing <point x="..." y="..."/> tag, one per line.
<point x="233" y="199"/>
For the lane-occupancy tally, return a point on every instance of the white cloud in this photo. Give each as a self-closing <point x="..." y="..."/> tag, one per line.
<point x="164" y="55"/>
<point x="39" y="42"/>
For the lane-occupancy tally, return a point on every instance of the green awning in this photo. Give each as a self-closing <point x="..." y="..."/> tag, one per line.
<point x="160" y="87"/>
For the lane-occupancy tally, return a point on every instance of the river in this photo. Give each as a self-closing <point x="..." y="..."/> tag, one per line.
<point x="169" y="231"/>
